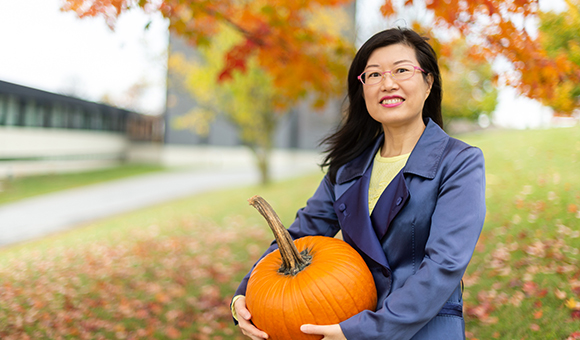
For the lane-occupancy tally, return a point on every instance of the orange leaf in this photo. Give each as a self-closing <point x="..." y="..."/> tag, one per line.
<point x="172" y="332"/>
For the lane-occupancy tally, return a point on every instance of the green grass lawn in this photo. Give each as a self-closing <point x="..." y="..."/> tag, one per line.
<point x="24" y="187"/>
<point x="525" y="274"/>
<point x="168" y="272"/>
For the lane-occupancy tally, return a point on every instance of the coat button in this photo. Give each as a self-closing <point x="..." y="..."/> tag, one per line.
<point x="342" y="207"/>
<point x="386" y="272"/>
<point x="399" y="200"/>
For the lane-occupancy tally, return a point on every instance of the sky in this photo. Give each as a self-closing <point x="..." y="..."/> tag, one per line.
<point x="44" y="48"/>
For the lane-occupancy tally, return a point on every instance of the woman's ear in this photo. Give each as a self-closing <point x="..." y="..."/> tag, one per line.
<point x="429" y="82"/>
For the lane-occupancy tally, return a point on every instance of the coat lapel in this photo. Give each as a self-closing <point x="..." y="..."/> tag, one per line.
<point x="352" y="184"/>
<point x="392" y="200"/>
<point x="353" y="213"/>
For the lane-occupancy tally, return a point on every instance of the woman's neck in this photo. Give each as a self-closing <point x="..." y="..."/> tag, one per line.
<point x="401" y="140"/>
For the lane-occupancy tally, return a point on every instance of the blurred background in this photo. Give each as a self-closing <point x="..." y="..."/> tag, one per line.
<point x="83" y="93"/>
<point x="133" y="131"/>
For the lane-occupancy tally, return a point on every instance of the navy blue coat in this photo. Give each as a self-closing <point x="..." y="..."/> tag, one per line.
<point x="417" y="242"/>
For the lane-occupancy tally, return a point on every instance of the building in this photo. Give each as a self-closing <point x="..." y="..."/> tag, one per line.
<point x="43" y="132"/>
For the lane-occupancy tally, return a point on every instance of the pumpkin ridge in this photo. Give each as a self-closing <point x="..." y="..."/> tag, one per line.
<point x="331" y="294"/>
<point x="284" y="309"/>
<point x="319" y="297"/>
<point x="352" y="279"/>
<point x="295" y="297"/>
<point x="344" y="290"/>
<point x="266" y="323"/>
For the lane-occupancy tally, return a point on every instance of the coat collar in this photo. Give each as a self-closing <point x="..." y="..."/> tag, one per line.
<point x="423" y="161"/>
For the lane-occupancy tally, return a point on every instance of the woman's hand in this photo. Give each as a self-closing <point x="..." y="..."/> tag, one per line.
<point x="330" y="332"/>
<point x="246" y="326"/>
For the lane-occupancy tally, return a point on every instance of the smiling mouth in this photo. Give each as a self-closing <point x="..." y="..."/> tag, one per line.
<point x="391" y="101"/>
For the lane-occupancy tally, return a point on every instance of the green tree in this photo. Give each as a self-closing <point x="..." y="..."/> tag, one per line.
<point x="559" y="36"/>
<point x="246" y="101"/>
<point x="251" y="100"/>
<point x="467" y="84"/>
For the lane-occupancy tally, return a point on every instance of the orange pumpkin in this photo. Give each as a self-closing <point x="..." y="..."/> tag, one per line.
<point x="313" y="280"/>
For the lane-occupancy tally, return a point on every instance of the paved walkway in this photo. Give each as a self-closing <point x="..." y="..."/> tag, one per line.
<point x="46" y="214"/>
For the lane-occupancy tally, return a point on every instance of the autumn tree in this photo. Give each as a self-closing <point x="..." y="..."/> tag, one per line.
<point x="288" y="51"/>
<point x="246" y="100"/>
<point x="493" y="29"/>
<point x="249" y="99"/>
<point x="468" y="79"/>
<point x="559" y="37"/>
<point x="301" y="58"/>
<point x="277" y="34"/>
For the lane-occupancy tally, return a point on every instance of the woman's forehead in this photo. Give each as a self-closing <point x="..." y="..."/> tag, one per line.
<point x="392" y="55"/>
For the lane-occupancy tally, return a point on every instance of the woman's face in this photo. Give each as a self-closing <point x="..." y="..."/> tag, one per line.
<point x="394" y="103"/>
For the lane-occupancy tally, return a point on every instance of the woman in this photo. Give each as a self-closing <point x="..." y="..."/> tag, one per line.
<point x="407" y="197"/>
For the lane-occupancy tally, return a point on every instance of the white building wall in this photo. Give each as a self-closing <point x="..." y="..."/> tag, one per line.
<point x="27" y="151"/>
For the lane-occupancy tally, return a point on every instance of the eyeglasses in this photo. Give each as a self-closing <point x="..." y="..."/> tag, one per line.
<point x="401" y="72"/>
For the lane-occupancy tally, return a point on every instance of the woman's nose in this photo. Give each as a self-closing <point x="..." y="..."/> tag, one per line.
<point x="388" y="82"/>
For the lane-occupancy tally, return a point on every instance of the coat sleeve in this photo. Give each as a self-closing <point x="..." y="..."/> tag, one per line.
<point x="317" y="218"/>
<point x="456" y="224"/>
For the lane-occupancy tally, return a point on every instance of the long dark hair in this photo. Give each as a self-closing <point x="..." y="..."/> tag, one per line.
<point x="358" y="129"/>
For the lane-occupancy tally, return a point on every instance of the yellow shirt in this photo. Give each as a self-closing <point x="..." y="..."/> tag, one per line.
<point x="383" y="172"/>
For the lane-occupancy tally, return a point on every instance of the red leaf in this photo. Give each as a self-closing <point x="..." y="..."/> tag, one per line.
<point x="530" y="288"/>
<point x="172" y="333"/>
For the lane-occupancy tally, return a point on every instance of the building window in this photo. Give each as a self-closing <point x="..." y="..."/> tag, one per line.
<point x="56" y="118"/>
<point x="47" y="109"/>
<point x="97" y="121"/>
<point x="3" y="110"/>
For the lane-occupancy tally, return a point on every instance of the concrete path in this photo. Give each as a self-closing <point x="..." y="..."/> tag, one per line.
<point x="46" y="214"/>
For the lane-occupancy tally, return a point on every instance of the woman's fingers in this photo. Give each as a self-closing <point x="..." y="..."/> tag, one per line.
<point x="249" y="330"/>
<point x="241" y="309"/>
<point x="330" y="332"/>
<point x="246" y="326"/>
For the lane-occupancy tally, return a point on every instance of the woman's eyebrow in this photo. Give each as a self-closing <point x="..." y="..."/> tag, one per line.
<point x="404" y="61"/>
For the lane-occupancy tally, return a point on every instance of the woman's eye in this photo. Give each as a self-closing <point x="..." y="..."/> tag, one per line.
<point x="402" y="70"/>
<point x="374" y="75"/>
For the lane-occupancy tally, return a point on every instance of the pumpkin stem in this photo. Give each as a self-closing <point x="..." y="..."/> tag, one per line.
<point x="292" y="260"/>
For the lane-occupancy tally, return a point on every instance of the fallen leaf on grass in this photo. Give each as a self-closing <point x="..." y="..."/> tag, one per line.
<point x="172" y="333"/>
<point x="572" y="304"/>
<point x="530" y="288"/>
<point x="560" y="294"/>
<point x="517" y="298"/>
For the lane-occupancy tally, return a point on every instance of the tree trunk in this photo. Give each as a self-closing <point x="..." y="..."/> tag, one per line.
<point x="263" y="163"/>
